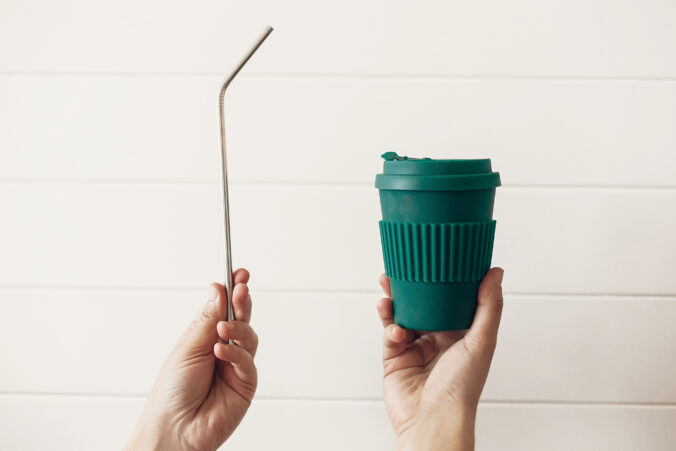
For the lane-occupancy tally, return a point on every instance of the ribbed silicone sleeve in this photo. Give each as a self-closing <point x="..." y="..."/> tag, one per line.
<point x="454" y="252"/>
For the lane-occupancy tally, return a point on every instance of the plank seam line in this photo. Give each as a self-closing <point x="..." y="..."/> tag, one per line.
<point x="353" y="400"/>
<point x="353" y="75"/>
<point x="5" y="288"/>
<point x="312" y="184"/>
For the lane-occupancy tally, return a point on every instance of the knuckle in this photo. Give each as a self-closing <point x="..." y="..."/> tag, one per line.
<point x="478" y="345"/>
<point x="249" y="357"/>
<point x="471" y="343"/>
<point x="498" y="305"/>
<point x="206" y="315"/>
<point x="242" y="288"/>
<point x="387" y="335"/>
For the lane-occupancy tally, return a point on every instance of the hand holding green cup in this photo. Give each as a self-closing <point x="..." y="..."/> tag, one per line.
<point x="437" y="237"/>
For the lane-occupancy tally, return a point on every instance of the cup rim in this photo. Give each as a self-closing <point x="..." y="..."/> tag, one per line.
<point x="459" y="182"/>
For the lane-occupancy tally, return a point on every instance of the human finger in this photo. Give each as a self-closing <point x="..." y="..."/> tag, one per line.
<point x="241" y="332"/>
<point x="386" y="311"/>
<point x="240" y="359"/>
<point x="385" y="285"/>
<point x="241" y="275"/>
<point x="241" y="302"/>
<point x="395" y="341"/>
<point x="483" y="334"/>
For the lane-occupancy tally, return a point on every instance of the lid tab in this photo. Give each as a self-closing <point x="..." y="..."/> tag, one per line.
<point x="392" y="156"/>
<point x="426" y="174"/>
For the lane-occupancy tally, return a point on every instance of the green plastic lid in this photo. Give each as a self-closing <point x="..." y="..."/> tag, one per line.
<point x="426" y="174"/>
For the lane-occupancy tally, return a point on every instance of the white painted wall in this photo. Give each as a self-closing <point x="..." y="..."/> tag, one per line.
<point x="110" y="227"/>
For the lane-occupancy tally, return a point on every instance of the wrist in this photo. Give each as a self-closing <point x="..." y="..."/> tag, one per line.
<point x="144" y="438"/>
<point x="440" y="429"/>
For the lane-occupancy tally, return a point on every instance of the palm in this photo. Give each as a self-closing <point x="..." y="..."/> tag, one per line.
<point x="409" y="378"/>
<point x="209" y="380"/>
<point x="208" y="399"/>
<point x="428" y="371"/>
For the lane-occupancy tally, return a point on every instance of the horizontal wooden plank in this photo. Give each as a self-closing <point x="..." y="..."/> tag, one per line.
<point x="571" y="349"/>
<point x="600" y="38"/>
<point x="332" y="130"/>
<point x="85" y="423"/>
<point x="319" y="238"/>
<point x="585" y="428"/>
<point x="66" y="423"/>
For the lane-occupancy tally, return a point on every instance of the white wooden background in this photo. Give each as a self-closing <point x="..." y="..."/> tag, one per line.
<point x="110" y="207"/>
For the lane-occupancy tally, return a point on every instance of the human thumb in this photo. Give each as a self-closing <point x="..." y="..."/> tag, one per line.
<point x="483" y="334"/>
<point x="201" y="334"/>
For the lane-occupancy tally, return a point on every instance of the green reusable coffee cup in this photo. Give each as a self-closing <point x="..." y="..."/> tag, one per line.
<point x="437" y="237"/>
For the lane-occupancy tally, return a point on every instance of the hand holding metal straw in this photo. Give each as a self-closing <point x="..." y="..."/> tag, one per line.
<point x="224" y="179"/>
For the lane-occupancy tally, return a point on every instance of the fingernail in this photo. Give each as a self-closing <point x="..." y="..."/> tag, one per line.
<point x="213" y="293"/>
<point x="499" y="276"/>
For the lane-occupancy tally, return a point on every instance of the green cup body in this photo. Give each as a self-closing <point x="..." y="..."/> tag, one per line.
<point x="437" y="206"/>
<point x="437" y="242"/>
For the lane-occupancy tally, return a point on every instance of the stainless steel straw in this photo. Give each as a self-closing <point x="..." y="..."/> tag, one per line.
<point x="224" y="178"/>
